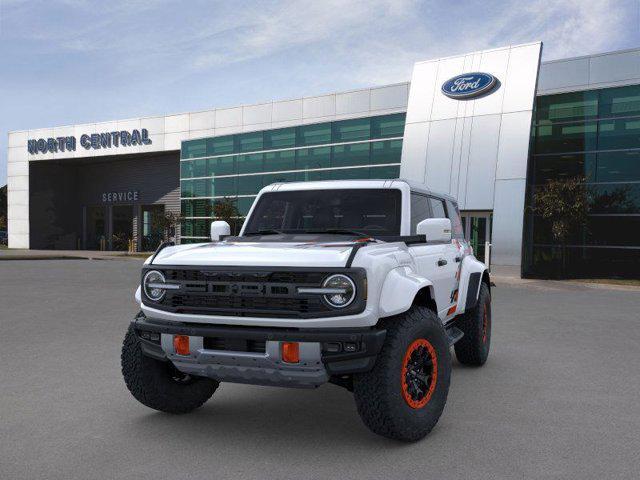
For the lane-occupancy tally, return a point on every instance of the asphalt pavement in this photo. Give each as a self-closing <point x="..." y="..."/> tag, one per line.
<point x="558" y="398"/>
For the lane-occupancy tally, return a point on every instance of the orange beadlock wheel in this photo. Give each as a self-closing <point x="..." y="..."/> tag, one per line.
<point x="419" y="373"/>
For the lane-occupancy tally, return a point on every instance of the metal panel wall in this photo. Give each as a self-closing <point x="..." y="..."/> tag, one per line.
<point x="476" y="149"/>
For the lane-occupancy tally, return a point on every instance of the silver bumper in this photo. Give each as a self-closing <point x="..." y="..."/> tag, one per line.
<point x="253" y="368"/>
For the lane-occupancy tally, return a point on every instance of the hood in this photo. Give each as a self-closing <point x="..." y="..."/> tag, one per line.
<point x="257" y="254"/>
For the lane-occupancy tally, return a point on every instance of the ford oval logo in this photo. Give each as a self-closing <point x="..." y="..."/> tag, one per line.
<point x="469" y="85"/>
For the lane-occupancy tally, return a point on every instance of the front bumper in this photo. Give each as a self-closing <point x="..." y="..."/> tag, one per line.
<point x="358" y="349"/>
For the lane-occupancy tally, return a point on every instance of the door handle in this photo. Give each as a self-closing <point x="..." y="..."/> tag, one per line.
<point x="458" y="259"/>
<point x="442" y="262"/>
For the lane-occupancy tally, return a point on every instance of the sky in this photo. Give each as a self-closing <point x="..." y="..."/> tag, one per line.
<point x="65" y="62"/>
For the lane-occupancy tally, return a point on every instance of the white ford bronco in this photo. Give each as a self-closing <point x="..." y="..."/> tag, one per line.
<point x="362" y="283"/>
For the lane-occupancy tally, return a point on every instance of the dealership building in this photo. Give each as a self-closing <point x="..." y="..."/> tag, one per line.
<point x="490" y="128"/>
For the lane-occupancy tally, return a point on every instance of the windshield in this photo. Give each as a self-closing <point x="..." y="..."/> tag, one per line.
<point x="374" y="212"/>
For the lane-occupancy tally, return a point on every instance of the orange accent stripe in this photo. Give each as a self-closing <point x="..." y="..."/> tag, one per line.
<point x="452" y="309"/>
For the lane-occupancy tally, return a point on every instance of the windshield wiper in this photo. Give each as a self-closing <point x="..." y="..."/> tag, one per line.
<point x="263" y="232"/>
<point x="340" y="231"/>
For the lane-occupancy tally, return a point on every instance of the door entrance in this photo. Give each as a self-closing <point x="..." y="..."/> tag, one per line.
<point x="96" y="228"/>
<point x="153" y="225"/>
<point x="477" y="231"/>
<point x="122" y="227"/>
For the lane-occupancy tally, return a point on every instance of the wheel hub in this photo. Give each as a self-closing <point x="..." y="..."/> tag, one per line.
<point x="419" y="373"/>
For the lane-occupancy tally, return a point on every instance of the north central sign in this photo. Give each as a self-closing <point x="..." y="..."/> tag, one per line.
<point x="93" y="141"/>
<point x="469" y="85"/>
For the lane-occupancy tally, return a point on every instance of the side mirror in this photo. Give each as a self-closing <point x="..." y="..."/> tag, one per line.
<point x="219" y="228"/>
<point x="435" y="229"/>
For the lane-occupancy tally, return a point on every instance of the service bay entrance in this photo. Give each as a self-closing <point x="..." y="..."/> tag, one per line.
<point x="122" y="227"/>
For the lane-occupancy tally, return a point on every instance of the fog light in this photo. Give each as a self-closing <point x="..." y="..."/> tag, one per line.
<point x="290" y="352"/>
<point x="181" y="344"/>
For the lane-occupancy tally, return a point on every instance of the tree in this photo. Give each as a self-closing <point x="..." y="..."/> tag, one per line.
<point x="225" y="209"/>
<point x="165" y="223"/>
<point x="565" y="204"/>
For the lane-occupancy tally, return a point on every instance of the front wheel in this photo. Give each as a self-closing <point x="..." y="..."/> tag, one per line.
<point x="404" y="394"/>
<point x="159" y="385"/>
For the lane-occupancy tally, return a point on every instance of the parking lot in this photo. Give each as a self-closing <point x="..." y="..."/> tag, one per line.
<point x="558" y="398"/>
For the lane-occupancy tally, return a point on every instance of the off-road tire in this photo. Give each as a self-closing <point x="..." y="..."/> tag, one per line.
<point x="152" y="382"/>
<point x="473" y="347"/>
<point x="380" y="395"/>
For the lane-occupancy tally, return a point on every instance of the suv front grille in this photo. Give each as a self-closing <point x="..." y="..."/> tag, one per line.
<point x="253" y="293"/>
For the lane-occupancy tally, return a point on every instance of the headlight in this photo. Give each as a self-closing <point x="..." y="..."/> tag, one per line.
<point x="344" y="290"/>
<point x="149" y="283"/>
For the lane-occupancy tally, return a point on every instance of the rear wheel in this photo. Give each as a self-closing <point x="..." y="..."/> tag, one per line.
<point x="473" y="347"/>
<point x="159" y="385"/>
<point x="404" y="394"/>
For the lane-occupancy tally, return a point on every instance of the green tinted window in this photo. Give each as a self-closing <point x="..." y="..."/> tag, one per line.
<point x="194" y="168"/>
<point x="244" y="204"/>
<point x="347" y="155"/>
<point x="186" y="170"/>
<point x="313" y="158"/>
<point x="388" y="126"/>
<point x="249" y="184"/>
<point x="567" y="107"/>
<point x="223" y="166"/>
<point x="250" y="142"/>
<point x="313" y="176"/>
<point x="352" y="130"/>
<point x="196" y="208"/>
<point x="280" y="138"/>
<point x="196" y="228"/>
<point x="615" y="134"/>
<point x="350" y="174"/>
<point x="620" y="102"/>
<point x="383" y="173"/>
<point x="186" y="189"/>
<point x="549" y="167"/>
<point x="313" y="134"/>
<point x="278" y="178"/>
<point x="618" y="166"/>
<point x="574" y="137"/>
<point x="200" y="187"/>
<point x="388" y="151"/>
<point x="194" y="148"/>
<point x="250" y="163"/>
<point x="220" y="145"/>
<point x="224" y="187"/>
<point x="283" y="160"/>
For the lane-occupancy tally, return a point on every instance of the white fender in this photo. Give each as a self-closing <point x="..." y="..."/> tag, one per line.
<point x="471" y="272"/>
<point x="138" y="295"/>
<point x="399" y="289"/>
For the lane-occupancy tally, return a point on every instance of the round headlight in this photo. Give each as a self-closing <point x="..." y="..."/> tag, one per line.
<point x="345" y="290"/>
<point x="150" y="278"/>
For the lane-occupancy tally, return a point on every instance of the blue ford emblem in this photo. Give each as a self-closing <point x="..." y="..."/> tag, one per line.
<point x="469" y="85"/>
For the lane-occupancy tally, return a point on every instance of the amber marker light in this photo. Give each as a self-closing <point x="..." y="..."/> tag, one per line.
<point x="181" y="344"/>
<point x="290" y="352"/>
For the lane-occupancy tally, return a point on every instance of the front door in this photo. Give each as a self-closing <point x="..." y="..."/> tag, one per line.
<point x="477" y="231"/>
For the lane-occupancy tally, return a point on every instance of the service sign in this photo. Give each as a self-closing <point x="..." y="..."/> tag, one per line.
<point x="93" y="141"/>
<point x="469" y="85"/>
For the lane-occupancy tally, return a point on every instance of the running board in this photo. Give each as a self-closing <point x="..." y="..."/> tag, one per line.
<point x="454" y="334"/>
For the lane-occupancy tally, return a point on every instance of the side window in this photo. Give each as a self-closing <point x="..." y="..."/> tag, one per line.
<point x="419" y="210"/>
<point x="456" y="224"/>
<point x="437" y="208"/>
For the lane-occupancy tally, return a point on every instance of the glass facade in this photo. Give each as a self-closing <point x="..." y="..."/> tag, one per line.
<point x="592" y="135"/>
<point x="233" y="168"/>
